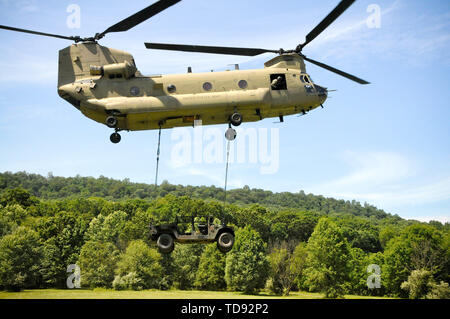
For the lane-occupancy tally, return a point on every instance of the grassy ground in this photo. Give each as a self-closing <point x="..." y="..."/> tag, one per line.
<point x="150" y="294"/>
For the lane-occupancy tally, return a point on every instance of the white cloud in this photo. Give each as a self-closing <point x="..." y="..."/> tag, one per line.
<point x="385" y="179"/>
<point x="400" y="194"/>
<point x="376" y="168"/>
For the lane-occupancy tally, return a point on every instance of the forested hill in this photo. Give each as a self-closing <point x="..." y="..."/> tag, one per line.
<point x="52" y="187"/>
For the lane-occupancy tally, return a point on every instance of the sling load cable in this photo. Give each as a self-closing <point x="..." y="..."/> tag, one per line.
<point x="230" y="135"/>
<point x="157" y="156"/>
<point x="226" y="175"/>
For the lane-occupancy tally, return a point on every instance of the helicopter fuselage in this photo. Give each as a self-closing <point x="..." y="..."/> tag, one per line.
<point x="102" y="82"/>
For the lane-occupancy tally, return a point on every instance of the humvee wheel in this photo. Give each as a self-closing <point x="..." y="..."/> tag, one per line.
<point x="165" y="243"/>
<point x="225" y="242"/>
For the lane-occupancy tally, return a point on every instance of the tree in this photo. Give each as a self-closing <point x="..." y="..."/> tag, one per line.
<point x="59" y="187"/>
<point x="419" y="283"/>
<point x="371" y="275"/>
<point x="255" y="216"/>
<point x="143" y="262"/>
<point x="18" y="196"/>
<point x="19" y="260"/>
<point x="282" y="276"/>
<point x="108" y="228"/>
<point x="247" y="265"/>
<point x="130" y="281"/>
<point x="52" y="267"/>
<point x="387" y="233"/>
<point x="167" y="277"/>
<point x="11" y="217"/>
<point x="360" y="233"/>
<point x="288" y="225"/>
<point x="138" y="226"/>
<point x="97" y="264"/>
<point x="298" y="264"/>
<point x="211" y="269"/>
<point x="419" y="246"/>
<point x="186" y="259"/>
<point x="328" y="259"/>
<point x="63" y="237"/>
<point x="357" y="281"/>
<point x="439" y="291"/>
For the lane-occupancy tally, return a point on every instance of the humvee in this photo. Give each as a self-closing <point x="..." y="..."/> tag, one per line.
<point x="166" y="235"/>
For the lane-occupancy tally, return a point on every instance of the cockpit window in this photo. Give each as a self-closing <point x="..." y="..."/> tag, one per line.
<point x="305" y="79"/>
<point x="309" y="88"/>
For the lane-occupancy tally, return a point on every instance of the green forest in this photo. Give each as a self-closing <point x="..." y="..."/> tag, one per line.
<point x="284" y="241"/>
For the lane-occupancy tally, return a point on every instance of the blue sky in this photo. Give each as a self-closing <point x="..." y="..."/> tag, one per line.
<point x="386" y="143"/>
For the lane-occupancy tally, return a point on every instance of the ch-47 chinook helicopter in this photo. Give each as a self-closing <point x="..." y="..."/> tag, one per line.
<point x="105" y="85"/>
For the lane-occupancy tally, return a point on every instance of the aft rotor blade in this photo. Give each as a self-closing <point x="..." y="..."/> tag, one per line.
<point x="329" y="19"/>
<point x="39" y="33"/>
<point x="342" y="73"/>
<point x="208" y="49"/>
<point x="140" y="16"/>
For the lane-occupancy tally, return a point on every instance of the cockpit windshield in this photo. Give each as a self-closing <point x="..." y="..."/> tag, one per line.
<point x="305" y="78"/>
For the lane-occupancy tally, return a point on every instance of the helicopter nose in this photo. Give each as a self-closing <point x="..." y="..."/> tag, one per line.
<point x="322" y="93"/>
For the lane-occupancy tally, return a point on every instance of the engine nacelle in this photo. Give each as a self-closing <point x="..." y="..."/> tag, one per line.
<point x="116" y="70"/>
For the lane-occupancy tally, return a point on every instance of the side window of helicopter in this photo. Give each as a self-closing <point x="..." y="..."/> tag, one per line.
<point x="207" y="86"/>
<point x="242" y="84"/>
<point x="171" y="88"/>
<point x="278" y="82"/>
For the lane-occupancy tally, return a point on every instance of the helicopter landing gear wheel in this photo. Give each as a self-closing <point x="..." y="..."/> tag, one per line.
<point x="115" y="138"/>
<point x="111" y="121"/>
<point x="236" y="119"/>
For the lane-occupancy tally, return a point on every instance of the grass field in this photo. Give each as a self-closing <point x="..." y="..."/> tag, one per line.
<point x="151" y="294"/>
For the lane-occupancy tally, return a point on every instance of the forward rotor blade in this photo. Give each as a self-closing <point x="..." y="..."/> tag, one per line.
<point x="329" y="19"/>
<point x="140" y="16"/>
<point x="208" y="49"/>
<point x="39" y="33"/>
<point x="342" y="73"/>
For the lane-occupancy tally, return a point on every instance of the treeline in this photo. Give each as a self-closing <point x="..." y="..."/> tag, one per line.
<point x="279" y="250"/>
<point x="52" y="187"/>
